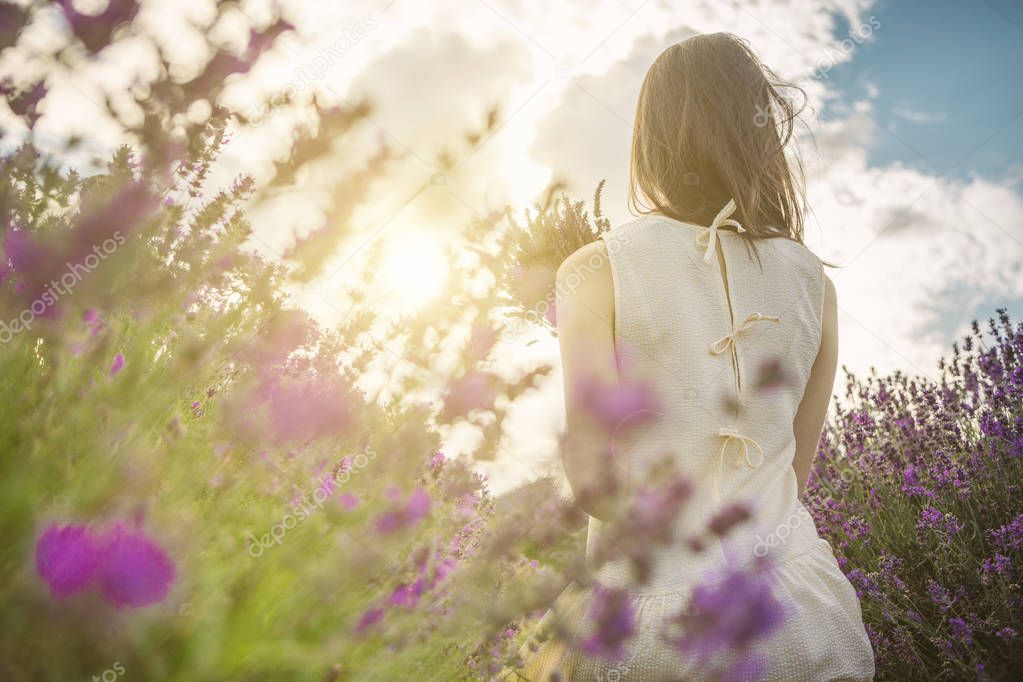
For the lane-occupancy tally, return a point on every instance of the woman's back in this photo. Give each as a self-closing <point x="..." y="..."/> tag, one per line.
<point x="727" y="341"/>
<point x="735" y="336"/>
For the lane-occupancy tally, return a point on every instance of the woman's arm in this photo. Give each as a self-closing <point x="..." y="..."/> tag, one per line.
<point x="813" y="408"/>
<point x="585" y="315"/>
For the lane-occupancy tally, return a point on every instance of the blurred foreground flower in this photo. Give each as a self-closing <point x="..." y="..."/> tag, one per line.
<point x="615" y="405"/>
<point x="475" y="391"/>
<point x="306" y="409"/>
<point x="409" y="514"/>
<point x="615" y="623"/>
<point x="283" y="408"/>
<point x="136" y="571"/>
<point x="725" y="618"/>
<point x="117" y="364"/>
<point x="131" y="569"/>
<point x="67" y="558"/>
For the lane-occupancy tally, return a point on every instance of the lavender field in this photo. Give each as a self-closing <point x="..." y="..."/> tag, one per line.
<point x="203" y="481"/>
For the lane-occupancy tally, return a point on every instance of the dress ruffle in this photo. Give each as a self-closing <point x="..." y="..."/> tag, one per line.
<point x="822" y="639"/>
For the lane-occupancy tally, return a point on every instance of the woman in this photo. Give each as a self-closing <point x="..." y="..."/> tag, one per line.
<point x="711" y="299"/>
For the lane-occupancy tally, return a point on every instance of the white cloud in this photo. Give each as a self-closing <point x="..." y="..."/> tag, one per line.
<point x="918" y="117"/>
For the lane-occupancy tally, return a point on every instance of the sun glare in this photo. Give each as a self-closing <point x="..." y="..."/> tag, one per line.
<point x="412" y="272"/>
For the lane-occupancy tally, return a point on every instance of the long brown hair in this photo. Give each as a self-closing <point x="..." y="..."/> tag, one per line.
<point x="711" y="125"/>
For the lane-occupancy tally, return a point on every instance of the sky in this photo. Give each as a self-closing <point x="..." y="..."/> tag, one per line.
<point x="948" y="76"/>
<point x="913" y="143"/>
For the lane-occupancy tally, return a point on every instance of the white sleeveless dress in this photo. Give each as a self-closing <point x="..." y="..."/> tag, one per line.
<point x="703" y="348"/>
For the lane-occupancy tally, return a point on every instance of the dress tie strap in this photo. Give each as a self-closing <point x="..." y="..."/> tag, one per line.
<point x="722" y="344"/>
<point x="752" y="453"/>
<point x="710" y="237"/>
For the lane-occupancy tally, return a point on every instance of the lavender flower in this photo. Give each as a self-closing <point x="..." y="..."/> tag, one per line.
<point x="614" y="621"/>
<point x="945" y="525"/>
<point x="1008" y="537"/>
<point x="612" y="404"/>
<point x="960" y="630"/>
<point x="475" y="391"/>
<point x="727" y="616"/>
<point x="370" y="618"/>
<point x="409" y="514"/>
<point x="130" y="568"/>
<point x="67" y="558"/>
<point x="135" y="571"/>
<point x="729" y="517"/>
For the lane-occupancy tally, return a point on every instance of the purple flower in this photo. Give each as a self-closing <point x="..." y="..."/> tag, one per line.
<point x="930" y="517"/>
<point x="945" y="525"/>
<point x="135" y="571"/>
<point x="93" y="321"/>
<point x="130" y="568"/>
<point x="418" y="505"/>
<point x="726" y="616"/>
<point x="654" y="511"/>
<point x="911" y="483"/>
<point x="612" y="404"/>
<point x="370" y="618"/>
<point x="407" y="595"/>
<point x="865" y="585"/>
<point x="117" y="364"/>
<point x="1009" y="537"/>
<point x="729" y="517"/>
<point x="999" y="564"/>
<point x="348" y="501"/>
<point x="305" y="409"/>
<point x="67" y="558"/>
<point x="411" y="513"/>
<point x="771" y="375"/>
<point x="475" y="391"/>
<point x="856" y="528"/>
<point x="889" y="566"/>
<point x="22" y="251"/>
<point x="947" y="473"/>
<point x="960" y="630"/>
<point x="614" y="623"/>
<point x="939" y="595"/>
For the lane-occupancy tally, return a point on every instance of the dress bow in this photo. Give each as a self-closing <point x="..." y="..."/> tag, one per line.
<point x="722" y="344"/>
<point x="752" y="453"/>
<point x="710" y="237"/>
